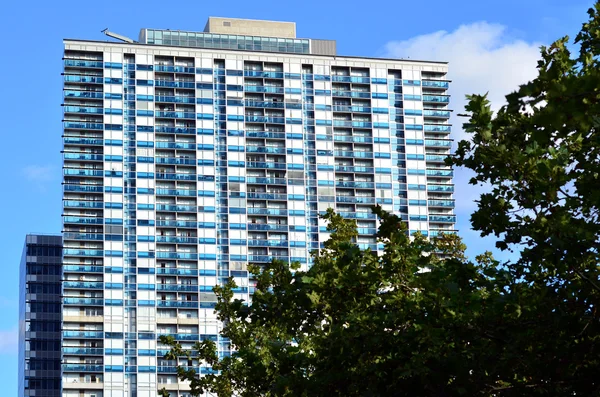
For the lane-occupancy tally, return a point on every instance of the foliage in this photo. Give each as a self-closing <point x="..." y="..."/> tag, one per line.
<point x="541" y="155"/>
<point x="412" y="322"/>
<point x="356" y="324"/>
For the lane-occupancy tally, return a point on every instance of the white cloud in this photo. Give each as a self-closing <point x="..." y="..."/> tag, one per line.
<point x="9" y="341"/>
<point x="483" y="57"/>
<point x="39" y="173"/>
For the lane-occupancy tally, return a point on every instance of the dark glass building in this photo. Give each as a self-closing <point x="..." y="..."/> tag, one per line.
<point x="40" y="317"/>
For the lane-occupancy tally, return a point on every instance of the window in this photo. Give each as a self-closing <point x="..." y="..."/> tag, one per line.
<point x="93" y="312"/>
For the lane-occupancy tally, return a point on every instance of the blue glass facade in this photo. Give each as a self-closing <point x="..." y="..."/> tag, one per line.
<point x="183" y="166"/>
<point x="226" y="41"/>
<point x="40" y="317"/>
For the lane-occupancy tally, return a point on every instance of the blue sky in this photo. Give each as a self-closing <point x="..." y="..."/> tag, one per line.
<point x="492" y="45"/>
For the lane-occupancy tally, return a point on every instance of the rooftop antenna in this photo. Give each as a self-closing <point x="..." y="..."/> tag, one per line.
<point x="118" y="36"/>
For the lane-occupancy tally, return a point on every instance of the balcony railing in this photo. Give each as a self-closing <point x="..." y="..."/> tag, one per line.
<point x="442" y="218"/>
<point x="436" y="98"/>
<point x="435" y="84"/>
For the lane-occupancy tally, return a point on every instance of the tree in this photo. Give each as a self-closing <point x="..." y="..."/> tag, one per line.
<point x="414" y="322"/>
<point x="358" y="324"/>
<point x="541" y="155"/>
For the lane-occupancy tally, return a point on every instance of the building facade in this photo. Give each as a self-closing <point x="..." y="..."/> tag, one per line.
<point x="188" y="155"/>
<point x="40" y="316"/>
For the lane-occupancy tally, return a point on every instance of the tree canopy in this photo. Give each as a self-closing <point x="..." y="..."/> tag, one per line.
<point x="423" y="320"/>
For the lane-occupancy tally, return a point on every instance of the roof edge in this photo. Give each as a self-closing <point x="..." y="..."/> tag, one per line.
<point x="262" y="52"/>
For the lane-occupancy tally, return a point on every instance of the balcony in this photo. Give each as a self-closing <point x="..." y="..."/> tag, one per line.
<point x="83" y="301"/>
<point x="82" y="141"/>
<point x="264" y="89"/>
<point x="83" y="285"/>
<point x="264" y="74"/>
<point x="264" y="104"/>
<point x="83" y="334"/>
<point x="358" y="215"/>
<point x="83" y="220"/>
<point x="83" y="94"/>
<point x="350" y="94"/>
<point x="177" y="240"/>
<point x="438" y="143"/>
<point x="434" y="158"/>
<point x="82" y="252"/>
<point x="83" y="236"/>
<point x="83" y="110"/>
<point x="436" y="128"/>
<point x="174" y="223"/>
<point x="181" y="272"/>
<point x="265" y="119"/>
<point x="260" y="258"/>
<point x="83" y="172"/>
<point x="354" y="124"/>
<point x="440" y="188"/>
<point x="367" y="231"/>
<point x="83" y="156"/>
<point x="351" y="109"/>
<point x="267" y="227"/>
<point x="352" y="184"/>
<point x="266" y="181"/>
<point x="174" y="99"/>
<point x="267" y="243"/>
<point x="442" y="114"/>
<point x="267" y="196"/>
<point x="83" y="64"/>
<point x="175" y="114"/>
<point x="267" y="211"/>
<point x="73" y="78"/>
<point x="265" y="134"/>
<point x="174" y="84"/>
<point x="82" y="368"/>
<point x="177" y="287"/>
<point x="83" y="351"/>
<point x="176" y="208"/>
<point x="442" y="218"/>
<point x="441" y="203"/>
<point x="351" y="79"/>
<point x="177" y="304"/>
<point x="444" y="85"/>
<point x="357" y="200"/>
<point x="175" y="130"/>
<point x="265" y="164"/>
<point x="82" y="269"/>
<point x="82" y="126"/>
<point x="436" y="99"/>
<point x="176" y="161"/>
<point x="174" y="69"/>
<point x="440" y="173"/>
<point x="83" y="188"/>
<point x="175" y="145"/>
<point x="355" y="139"/>
<point x="355" y="154"/>
<point x="176" y="255"/>
<point x="175" y="177"/>
<point x="357" y="169"/>
<point x="265" y="149"/>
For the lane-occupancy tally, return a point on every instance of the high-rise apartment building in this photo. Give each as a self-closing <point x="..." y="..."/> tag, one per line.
<point x="40" y="316"/>
<point x="188" y="155"/>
